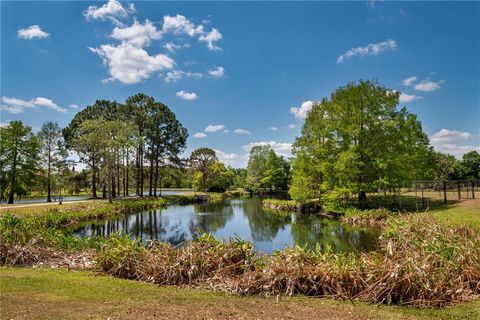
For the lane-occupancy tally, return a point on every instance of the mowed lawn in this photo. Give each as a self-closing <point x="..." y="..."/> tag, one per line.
<point x="28" y="293"/>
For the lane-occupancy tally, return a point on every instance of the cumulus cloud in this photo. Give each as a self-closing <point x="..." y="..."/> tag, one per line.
<point x="409" y="81"/>
<point x="32" y="32"/>
<point x="180" y="24"/>
<point x="281" y="148"/>
<point x="273" y="128"/>
<point x="130" y="64"/>
<point x="40" y="101"/>
<point x="214" y="128"/>
<point x="455" y="142"/>
<point x="372" y="49"/>
<point x="200" y="135"/>
<point x="189" y="96"/>
<point x="217" y="72"/>
<point x="74" y="106"/>
<point x="405" y="98"/>
<point x="112" y="10"/>
<point x="302" y="111"/>
<point x="291" y="126"/>
<point x="137" y="34"/>
<point x="210" y="38"/>
<point x="226" y="158"/>
<point x="242" y="131"/>
<point x="175" y="75"/>
<point x="428" y="85"/>
<point x="15" y="105"/>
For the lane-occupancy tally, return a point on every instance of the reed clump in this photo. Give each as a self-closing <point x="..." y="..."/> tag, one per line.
<point x="418" y="263"/>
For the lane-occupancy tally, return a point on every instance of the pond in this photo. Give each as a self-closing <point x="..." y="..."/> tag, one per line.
<point x="244" y="218"/>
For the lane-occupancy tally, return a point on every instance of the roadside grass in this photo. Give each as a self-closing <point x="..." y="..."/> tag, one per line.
<point x="62" y="294"/>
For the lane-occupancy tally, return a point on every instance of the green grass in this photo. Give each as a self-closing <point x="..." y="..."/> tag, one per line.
<point x="462" y="212"/>
<point x="62" y="294"/>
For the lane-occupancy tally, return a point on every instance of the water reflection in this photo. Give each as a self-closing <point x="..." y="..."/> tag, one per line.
<point x="242" y="217"/>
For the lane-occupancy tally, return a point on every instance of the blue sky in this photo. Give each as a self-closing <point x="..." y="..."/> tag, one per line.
<point x="240" y="74"/>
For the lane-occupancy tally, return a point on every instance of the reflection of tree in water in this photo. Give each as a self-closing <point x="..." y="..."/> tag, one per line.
<point x="264" y="225"/>
<point x="210" y="217"/>
<point x="310" y="230"/>
<point x="147" y="225"/>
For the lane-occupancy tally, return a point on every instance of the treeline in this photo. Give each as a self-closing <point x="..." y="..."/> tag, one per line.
<point x="358" y="141"/>
<point x="122" y="145"/>
<point x="131" y="148"/>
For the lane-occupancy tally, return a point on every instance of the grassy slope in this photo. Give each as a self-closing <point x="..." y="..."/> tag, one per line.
<point x="57" y="293"/>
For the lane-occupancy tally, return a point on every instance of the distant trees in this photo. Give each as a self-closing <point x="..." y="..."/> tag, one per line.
<point x="158" y="140"/>
<point x="267" y="170"/>
<point x="53" y="153"/>
<point x="201" y="161"/>
<point x="358" y="139"/>
<point x="19" y="149"/>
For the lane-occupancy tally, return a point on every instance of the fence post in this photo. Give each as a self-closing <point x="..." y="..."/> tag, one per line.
<point x="423" y="199"/>
<point x="473" y="189"/>
<point x="444" y="192"/>
<point x="458" y="189"/>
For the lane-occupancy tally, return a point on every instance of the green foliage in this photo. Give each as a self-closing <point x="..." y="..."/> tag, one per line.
<point x="19" y="149"/>
<point x="120" y="256"/>
<point x="358" y="140"/>
<point x="267" y="170"/>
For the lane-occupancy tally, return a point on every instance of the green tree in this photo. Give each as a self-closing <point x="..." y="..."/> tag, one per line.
<point x="445" y="165"/>
<point x="106" y="137"/>
<point x="256" y="166"/>
<point x="358" y="139"/>
<point x="201" y="161"/>
<point x="471" y="165"/>
<point x="53" y="153"/>
<point x="19" y="149"/>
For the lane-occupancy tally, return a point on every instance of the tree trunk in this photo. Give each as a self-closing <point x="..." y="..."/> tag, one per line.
<point x="362" y="199"/>
<point x="94" y="179"/>
<point x="126" y="177"/>
<point x="110" y="180"/>
<point x="14" y="174"/>
<point x="137" y="162"/>
<point x="156" y="176"/>
<point x="141" y="172"/>
<point x="150" y="184"/>
<point x="49" y="185"/>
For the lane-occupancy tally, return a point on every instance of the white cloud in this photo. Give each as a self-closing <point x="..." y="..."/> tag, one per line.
<point x="217" y="72"/>
<point x="40" y="101"/>
<point x="112" y="10"/>
<point x="214" y="128"/>
<point x="273" y="128"/>
<point x="409" y="81"/>
<point x="180" y="24"/>
<point x="301" y="113"/>
<point x="446" y="135"/>
<point x="428" y="85"/>
<point x="129" y="64"/>
<point x="372" y="49"/>
<point x="291" y="126"/>
<point x="175" y="75"/>
<point x="11" y="109"/>
<point x="210" y="38"/>
<point x="32" y="32"/>
<point x="74" y="106"/>
<point x="137" y="34"/>
<point x="281" y="148"/>
<point x="405" y="98"/>
<point x="190" y="96"/>
<point x="242" y="131"/>
<point x="200" y="135"/>
<point x="226" y="158"/>
<point x="18" y="102"/>
<point x="170" y="46"/>
<point x="14" y="105"/>
<point x="455" y="142"/>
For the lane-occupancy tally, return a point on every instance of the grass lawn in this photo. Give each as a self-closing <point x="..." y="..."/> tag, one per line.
<point x="61" y="294"/>
<point x="460" y="212"/>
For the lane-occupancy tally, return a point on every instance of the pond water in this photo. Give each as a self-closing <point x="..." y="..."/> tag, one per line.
<point x="237" y="217"/>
